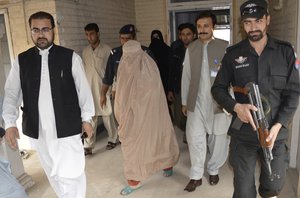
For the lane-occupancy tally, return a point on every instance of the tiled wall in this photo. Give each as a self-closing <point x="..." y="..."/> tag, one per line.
<point x="72" y="16"/>
<point x="150" y="15"/>
<point x="109" y="15"/>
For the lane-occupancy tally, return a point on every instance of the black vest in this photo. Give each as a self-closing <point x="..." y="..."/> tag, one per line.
<point x="64" y="95"/>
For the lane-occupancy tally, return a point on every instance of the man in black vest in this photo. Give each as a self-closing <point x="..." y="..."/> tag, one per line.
<point x="57" y="107"/>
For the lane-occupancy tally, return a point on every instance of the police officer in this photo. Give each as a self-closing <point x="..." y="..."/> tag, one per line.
<point x="127" y="32"/>
<point x="270" y="63"/>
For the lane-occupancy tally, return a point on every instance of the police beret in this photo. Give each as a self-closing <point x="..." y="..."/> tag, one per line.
<point x="127" y="29"/>
<point x="254" y="9"/>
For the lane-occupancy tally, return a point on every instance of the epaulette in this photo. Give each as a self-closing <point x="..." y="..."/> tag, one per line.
<point x="281" y="42"/>
<point x="232" y="47"/>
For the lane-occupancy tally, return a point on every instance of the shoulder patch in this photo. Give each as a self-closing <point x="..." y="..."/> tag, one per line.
<point x="297" y="64"/>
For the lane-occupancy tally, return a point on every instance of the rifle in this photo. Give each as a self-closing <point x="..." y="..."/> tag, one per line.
<point x="262" y="126"/>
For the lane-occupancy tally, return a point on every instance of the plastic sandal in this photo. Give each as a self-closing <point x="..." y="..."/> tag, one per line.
<point x="168" y="173"/>
<point x="129" y="189"/>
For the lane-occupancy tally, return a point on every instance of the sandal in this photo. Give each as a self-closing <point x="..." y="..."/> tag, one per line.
<point x="129" y="189"/>
<point x="88" y="151"/>
<point x="168" y="173"/>
<point x="110" y="145"/>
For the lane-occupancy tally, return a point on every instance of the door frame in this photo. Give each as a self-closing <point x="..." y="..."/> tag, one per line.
<point x="8" y="34"/>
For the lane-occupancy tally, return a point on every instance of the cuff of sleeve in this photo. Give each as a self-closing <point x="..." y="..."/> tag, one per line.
<point x="283" y="121"/>
<point x="87" y="119"/>
<point x="9" y="125"/>
<point x="230" y="106"/>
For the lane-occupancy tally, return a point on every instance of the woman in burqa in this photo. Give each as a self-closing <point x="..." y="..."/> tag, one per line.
<point x="161" y="53"/>
<point x="145" y="129"/>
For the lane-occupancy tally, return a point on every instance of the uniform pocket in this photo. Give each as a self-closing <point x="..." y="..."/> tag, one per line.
<point x="279" y="76"/>
<point x="278" y="81"/>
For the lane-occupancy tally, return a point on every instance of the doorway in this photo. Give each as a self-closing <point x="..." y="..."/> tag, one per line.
<point x="186" y="11"/>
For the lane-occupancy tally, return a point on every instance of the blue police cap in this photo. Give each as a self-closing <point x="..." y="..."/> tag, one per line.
<point x="127" y="29"/>
<point x="254" y="9"/>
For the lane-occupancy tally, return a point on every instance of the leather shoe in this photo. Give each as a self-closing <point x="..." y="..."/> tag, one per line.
<point x="192" y="185"/>
<point x="213" y="179"/>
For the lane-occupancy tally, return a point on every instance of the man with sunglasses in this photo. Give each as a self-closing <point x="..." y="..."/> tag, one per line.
<point x="57" y="107"/>
<point x="272" y="65"/>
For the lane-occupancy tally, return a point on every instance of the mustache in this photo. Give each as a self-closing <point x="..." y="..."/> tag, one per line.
<point x="256" y="31"/>
<point x="43" y="39"/>
<point x="202" y="33"/>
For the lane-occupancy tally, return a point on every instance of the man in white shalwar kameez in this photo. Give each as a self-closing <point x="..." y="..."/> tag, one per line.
<point x="95" y="57"/>
<point x="57" y="107"/>
<point x="206" y="123"/>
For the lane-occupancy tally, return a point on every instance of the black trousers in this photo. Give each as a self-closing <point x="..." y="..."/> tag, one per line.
<point x="243" y="156"/>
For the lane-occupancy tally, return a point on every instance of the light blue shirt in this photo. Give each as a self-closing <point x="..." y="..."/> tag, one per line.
<point x="9" y="186"/>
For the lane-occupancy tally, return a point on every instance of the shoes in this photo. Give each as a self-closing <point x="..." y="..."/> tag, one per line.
<point x="88" y="151"/>
<point x="110" y="145"/>
<point x="168" y="172"/>
<point x="129" y="189"/>
<point x="192" y="185"/>
<point x="213" y="179"/>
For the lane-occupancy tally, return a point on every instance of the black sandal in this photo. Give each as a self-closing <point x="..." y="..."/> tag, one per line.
<point x="110" y="145"/>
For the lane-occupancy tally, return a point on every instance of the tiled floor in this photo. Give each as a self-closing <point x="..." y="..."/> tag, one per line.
<point x="105" y="178"/>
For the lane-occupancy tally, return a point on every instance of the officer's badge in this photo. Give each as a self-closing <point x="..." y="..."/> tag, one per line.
<point x="297" y="64"/>
<point x="217" y="63"/>
<point x="241" y="59"/>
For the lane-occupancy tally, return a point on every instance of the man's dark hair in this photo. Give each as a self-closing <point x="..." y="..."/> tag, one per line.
<point x="187" y="25"/>
<point x="42" y="15"/>
<point x="207" y="14"/>
<point x="91" y="27"/>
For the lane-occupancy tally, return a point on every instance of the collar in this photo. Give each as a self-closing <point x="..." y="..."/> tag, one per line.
<point x="270" y="44"/>
<point x="45" y="51"/>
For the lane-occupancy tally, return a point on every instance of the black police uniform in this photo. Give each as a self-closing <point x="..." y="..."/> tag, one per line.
<point x="175" y="64"/>
<point x="278" y="79"/>
<point x="113" y="63"/>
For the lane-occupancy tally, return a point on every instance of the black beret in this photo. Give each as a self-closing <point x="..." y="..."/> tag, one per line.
<point x="254" y="9"/>
<point x="127" y="29"/>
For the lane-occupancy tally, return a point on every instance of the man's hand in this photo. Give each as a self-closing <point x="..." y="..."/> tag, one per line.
<point x="170" y="96"/>
<point x="243" y="112"/>
<point x="102" y="101"/>
<point x="103" y="92"/>
<point x="11" y="136"/>
<point x="273" y="133"/>
<point x="88" y="128"/>
<point x="184" y="110"/>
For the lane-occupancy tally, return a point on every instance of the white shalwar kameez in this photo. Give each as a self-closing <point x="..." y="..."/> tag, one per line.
<point x="200" y="123"/>
<point x="62" y="158"/>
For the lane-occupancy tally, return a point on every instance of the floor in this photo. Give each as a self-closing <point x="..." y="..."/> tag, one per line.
<point x="105" y="178"/>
